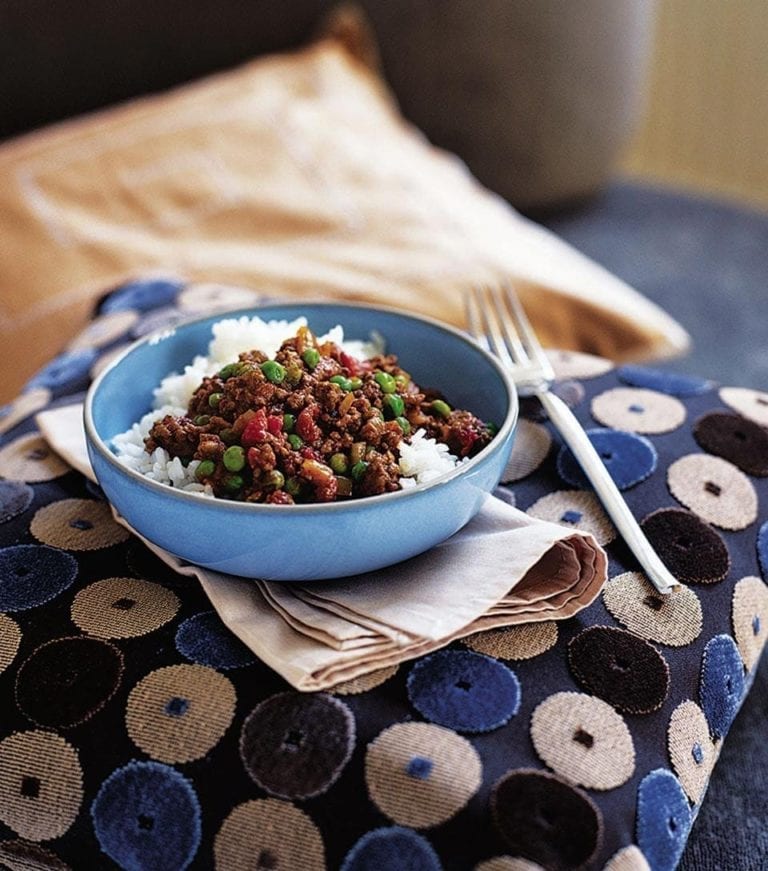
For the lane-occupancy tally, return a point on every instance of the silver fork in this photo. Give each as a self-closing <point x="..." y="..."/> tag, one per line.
<point x="497" y="319"/>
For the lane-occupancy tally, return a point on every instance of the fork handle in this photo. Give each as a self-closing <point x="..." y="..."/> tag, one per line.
<point x="614" y="503"/>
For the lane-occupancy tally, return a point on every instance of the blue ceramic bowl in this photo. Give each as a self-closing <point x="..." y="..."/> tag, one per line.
<point x="304" y="542"/>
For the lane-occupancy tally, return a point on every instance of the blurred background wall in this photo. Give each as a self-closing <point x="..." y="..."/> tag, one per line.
<point x="705" y="124"/>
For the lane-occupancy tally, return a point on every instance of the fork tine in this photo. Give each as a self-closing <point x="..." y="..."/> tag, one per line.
<point x="493" y="323"/>
<point x="528" y="337"/>
<point x="515" y="346"/>
<point x="475" y="319"/>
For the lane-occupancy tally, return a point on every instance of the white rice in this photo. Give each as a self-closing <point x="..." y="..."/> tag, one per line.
<point x="424" y="459"/>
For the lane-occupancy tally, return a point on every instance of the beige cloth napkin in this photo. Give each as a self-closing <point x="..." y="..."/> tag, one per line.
<point x="504" y="568"/>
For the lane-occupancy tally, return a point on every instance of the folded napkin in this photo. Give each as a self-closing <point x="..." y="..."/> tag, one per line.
<point x="504" y="568"/>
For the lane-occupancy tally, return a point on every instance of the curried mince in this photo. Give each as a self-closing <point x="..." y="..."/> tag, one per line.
<point x="313" y="424"/>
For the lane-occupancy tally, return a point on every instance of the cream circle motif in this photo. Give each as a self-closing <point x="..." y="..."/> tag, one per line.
<point x="628" y="859"/>
<point x="104" y="329"/>
<point x="751" y="403"/>
<point x="28" y="458"/>
<point x="421" y="775"/>
<point x="365" y="682"/>
<point x="750" y="618"/>
<point x="675" y="620"/>
<point x="584" y="740"/>
<point x="515" y="642"/>
<point x="41" y="784"/>
<point x="23" y="406"/>
<point x="529" y="450"/>
<point x="508" y="863"/>
<point x="691" y="750"/>
<point x="123" y="608"/>
<point x="577" y="508"/>
<point x="180" y="712"/>
<point x="637" y="409"/>
<point x="77" y="524"/>
<point x="277" y="834"/>
<point x="714" y="489"/>
<point x="576" y="364"/>
<point x="10" y="639"/>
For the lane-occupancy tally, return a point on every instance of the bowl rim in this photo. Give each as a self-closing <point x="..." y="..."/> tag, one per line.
<point x="258" y="508"/>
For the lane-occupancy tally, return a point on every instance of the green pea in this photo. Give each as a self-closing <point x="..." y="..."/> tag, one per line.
<point x="393" y="405"/>
<point x="228" y="436"/>
<point x="342" y="381"/>
<point x="202" y="419"/>
<point x="440" y="408"/>
<point x="402" y="422"/>
<point x="295" y="441"/>
<point x="214" y="399"/>
<point x="274" y="480"/>
<point x="205" y="469"/>
<point x="289" y="421"/>
<point x="355" y="382"/>
<point x="339" y="464"/>
<point x="311" y="357"/>
<point x="234" y="458"/>
<point x="229" y="371"/>
<point x="491" y="428"/>
<point x="358" y="470"/>
<point x="293" y="486"/>
<point x="273" y="371"/>
<point x="233" y="483"/>
<point x="402" y="382"/>
<point x="386" y="382"/>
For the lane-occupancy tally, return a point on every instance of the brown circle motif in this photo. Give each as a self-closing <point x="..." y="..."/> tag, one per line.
<point x="546" y="820"/>
<point x="620" y="668"/>
<point x="295" y="745"/>
<point x="693" y="551"/>
<point x="66" y="681"/>
<point x="734" y="438"/>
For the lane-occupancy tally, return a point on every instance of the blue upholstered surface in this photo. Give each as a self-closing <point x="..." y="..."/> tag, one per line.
<point x="706" y="262"/>
<point x="474" y="752"/>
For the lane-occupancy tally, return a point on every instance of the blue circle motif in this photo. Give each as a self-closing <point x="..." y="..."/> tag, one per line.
<point x="33" y="574"/>
<point x="762" y="550"/>
<point x="663" y="819"/>
<point x="206" y="640"/>
<point x="671" y="383"/>
<point x="392" y="849"/>
<point x="146" y="816"/>
<point x="629" y="458"/>
<point x="15" y="498"/>
<point x="142" y="296"/>
<point x="70" y="372"/>
<point x="464" y="691"/>
<point x="721" y="688"/>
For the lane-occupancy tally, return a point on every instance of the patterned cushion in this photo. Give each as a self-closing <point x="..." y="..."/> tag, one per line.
<point x="135" y="727"/>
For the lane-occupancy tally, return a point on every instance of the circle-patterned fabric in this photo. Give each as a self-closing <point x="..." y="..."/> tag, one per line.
<point x="137" y="731"/>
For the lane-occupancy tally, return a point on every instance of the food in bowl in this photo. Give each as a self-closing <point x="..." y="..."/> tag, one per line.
<point x="277" y="415"/>
<point x="309" y="541"/>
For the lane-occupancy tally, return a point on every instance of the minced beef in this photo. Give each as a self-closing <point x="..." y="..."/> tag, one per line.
<point x="312" y="425"/>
